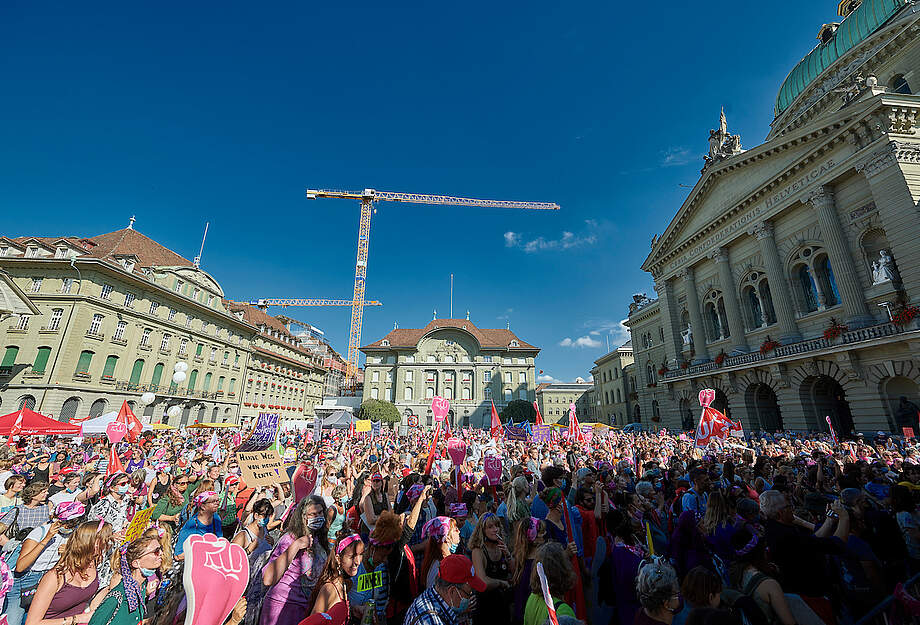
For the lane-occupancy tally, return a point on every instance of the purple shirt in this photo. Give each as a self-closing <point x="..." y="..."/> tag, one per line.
<point x="285" y="603"/>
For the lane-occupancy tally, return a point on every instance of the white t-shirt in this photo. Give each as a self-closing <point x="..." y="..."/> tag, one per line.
<point x="60" y="497"/>
<point x="49" y="557"/>
<point x="4" y="477"/>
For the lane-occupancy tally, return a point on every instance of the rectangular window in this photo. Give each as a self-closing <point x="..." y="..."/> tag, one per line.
<point x="145" y="337"/>
<point x="522" y="394"/>
<point x="36" y="285"/>
<point x="178" y="286"/>
<point x="195" y="293"/>
<point x="389" y="376"/>
<point x="507" y="377"/>
<point x="213" y="356"/>
<point x="120" y="330"/>
<point x="507" y="394"/>
<point x="487" y="376"/>
<point x="410" y="358"/>
<point x="23" y="322"/>
<point x="198" y="349"/>
<point x="226" y="357"/>
<point x="506" y="361"/>
<point x="408" y="376"/>
<point x="41" y="360"/>
<point x="55" y="322"/>
<point x="183" y="347"/>
<point x="188" y="321"/>
<point x="164" y="344"/>
<point x="153" y="308"/>
<point x="236" y="358"/>
<point x="375" y="376"/>
<point x="210" y="300"/>
<point x="407" y="393"/>
<point x="486" y="359"/>
<point x="374" y="393"/>
<point x="109" y="370"/>
<point x="448" y="358"/>
<point x="171" y="315"/>
<point x="86" y="358"/>
<point x="487" y="392"/>
<point x="66" y="285"/>
<point x="129" y="300"/>
<point x="431" y="358"/>
<point x="521" y="361"/>
<point x="429" y="376"/>
<point x="96" y="324"/>
<point x="107" y="291"/>
<point x="522" y="377"/>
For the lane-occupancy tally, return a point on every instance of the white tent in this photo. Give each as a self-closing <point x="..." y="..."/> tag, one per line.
<point x="97" y="425"/>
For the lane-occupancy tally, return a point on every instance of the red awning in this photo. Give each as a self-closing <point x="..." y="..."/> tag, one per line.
<point x="35" y="423"/>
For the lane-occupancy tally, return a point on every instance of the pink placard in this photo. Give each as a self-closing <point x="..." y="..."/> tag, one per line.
<point x="707" y="396"/>
<point x="440" y="406"/>
<point x="457" y="450"/>
<point x="216" y="575"/>
<point x="304" y="481"/>
<point x="116" y="431"/>
<point x="493" y="468"/>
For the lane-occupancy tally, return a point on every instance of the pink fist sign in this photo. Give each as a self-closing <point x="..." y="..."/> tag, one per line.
<point x="215" y="577"/>
<point x="304" y="481"/>
<point x="440" y="406"/>
<point x="116" y="431"/>
<point x="493" y="468"/>
<point x="457" y="449"/>
<point x="707" y="396"/>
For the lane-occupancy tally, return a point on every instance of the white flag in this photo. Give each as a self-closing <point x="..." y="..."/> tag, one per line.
<point x="213" y="448"/>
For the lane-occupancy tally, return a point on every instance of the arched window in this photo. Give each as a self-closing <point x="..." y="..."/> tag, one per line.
<point x="507" y="394"/>
<point x="69" y="409"/>
<point x="656" y="411"/>
<point x="157" y="374"/>
<point x="214" y="414"/>
<point x="429" y="393"/>
<point x="826" y="280"/>
<point x="232" y="386"/>
<point x="650" y="373"/>
<point x="136" y="371"/>
<point x="85" y="360"/>
<point x="202" y="411"/>
<point x="207" y="382"/>
<point x="899" y="84"/>
<point x="98" y="408"/>
<point x="448" y="393"/>
<point x="110" y="363"/>
<point x="466" y="393"/>
<point x="407" y="393"/>
<point x="766" y="300"/>
<point x="754" y="313"/>
<point x="27" y="402"/>
<point x="713" y="324"/>
<point x="756" y="301"/>
<point x="192" y="379"/>
<point x="619" y="400"/>
<point x="220" y="383"/>
<point x="808" y="291"/>
<point x="9" y="356"/>
<point x="813" y="277"/>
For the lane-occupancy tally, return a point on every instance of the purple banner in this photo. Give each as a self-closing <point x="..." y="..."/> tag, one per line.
<point x="541" y="434"/>
<point x="263" y="434"/>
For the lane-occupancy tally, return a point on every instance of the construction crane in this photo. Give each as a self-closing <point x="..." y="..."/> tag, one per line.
<point x="367" y="198"/>
<point x="284" y="303"/>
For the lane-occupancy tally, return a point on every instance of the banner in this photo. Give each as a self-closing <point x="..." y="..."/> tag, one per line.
<point x="317" y="427"/>
<point x="541" y="434"/>
<point x="375" y="428"/>
<point x="263" y="433"/>
<point x="363" y="425"/>
<point x="262" y="468"/>
<point x="587" y="432"/>
<point x="515" y="433"/>
<point x="138" y="524"/>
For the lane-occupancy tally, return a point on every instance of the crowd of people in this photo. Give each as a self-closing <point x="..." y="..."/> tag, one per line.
<point x="623" y="529"/>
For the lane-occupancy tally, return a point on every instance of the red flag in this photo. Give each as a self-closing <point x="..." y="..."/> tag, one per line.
<point x="539" y="416"/>
<point x="16" y="429"/>
<point x="575" y="433"/>
<point x="130" y="420"/>
<point x="446" y="427"/>
<point x="496" y="429"/>
<point x="434" y="447"/>
<point x="114" y="463"/>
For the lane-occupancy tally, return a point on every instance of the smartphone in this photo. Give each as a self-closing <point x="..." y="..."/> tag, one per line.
<point x="830" y="513"/>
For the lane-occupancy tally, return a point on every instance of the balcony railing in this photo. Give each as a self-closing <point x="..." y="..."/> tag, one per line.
<point x="793" y="349"/>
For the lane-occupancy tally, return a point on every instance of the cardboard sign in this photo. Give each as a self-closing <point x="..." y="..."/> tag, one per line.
<point x="908" y="432"/>
<point x="318" y="427"/>
<point x="363" y="425"/>
<point x="439" y="406"/>
<point x="138" y="524"/>
<point x="457" y="450"/>
<point x="263" y="434"/>
<point x="540" y="434"/>
<point x="304" y="480"/>
<point x="290" y="454"/>
<point x="216" y="575"/>
<point x="262" y="468"/>
<point x="369" y="581"/>
<point x="493" y="468"/>
<point x="116" y="431"/>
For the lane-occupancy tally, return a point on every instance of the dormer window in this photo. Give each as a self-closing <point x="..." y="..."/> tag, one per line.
<point x="847" y="6"/>
<point x="128" y="264"/>
<point x="827" y="32"/>
<point x="385" y="343"/>
<point x="514" y="344"/>
<point x="31" y="252"/>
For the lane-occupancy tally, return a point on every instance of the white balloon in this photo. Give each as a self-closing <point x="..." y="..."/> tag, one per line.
<point x="179" y="377"/>
<point x="148" y="398"/>
<point x="181" y="366"/>
<point x="174" y="411"/>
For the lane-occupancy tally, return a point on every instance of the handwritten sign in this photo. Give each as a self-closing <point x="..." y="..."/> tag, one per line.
<point x="375" y="428"/>
<point x="540" y="433"/>
<point x="363" y="425"/>
<point x="262" y="468"/>
<point x="515" y="433"/>
<point x="493" y="469"/>
<point x="369" y="581"/>
<point x="263" y="433"/>
<point x="138" y="524"/>
<point x="908" y="432"/>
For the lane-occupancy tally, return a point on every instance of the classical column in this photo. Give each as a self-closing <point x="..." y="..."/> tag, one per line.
<point x="730" y="297"/>
<point x="672" y="340"/>
<point x="779" y="286"/>
<point x="701" y="354"/>
<point x="851" y="293"/>
<point x="896" y="196"/>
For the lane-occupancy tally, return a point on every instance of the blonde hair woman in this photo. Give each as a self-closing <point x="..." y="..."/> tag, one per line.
<point x="493" y="564"/>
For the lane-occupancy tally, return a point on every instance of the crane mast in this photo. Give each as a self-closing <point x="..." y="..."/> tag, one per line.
<point x="367" y="199"/>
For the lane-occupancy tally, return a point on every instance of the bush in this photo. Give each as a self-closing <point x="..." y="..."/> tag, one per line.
<point x="518" y="410"/>
<point x="379" y="410"/>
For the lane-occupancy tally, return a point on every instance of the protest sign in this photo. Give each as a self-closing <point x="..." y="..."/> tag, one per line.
<point x="908" y="432"/>
<point x="412" y="421"/>
<point x="540" y="434"/>
<point x="304" y="480"/>
<point x="138" y="524"/>
<point x="363" y="425"/>
<point x="375" y="428"/>
<point x="515" y="433"/>
<point x="215" y="577"/>
<point x="439" y="407"/>
<point x="457" y="449"/>
<point x="587" y="431"/>
<point x="116" y="431"/>
<point x="493" y="469"/>
<point x="262" y="468"/>
<point x="263" y="433"/>
<point x="317" y="427"/>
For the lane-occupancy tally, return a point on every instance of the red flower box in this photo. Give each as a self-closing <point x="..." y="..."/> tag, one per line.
<point x="769" y="345"/>
<point x="905" y="315"/>
<point x="834" y="330"/>
<point x="684" y="365"/>
<point x="720" y="358"/>
<point x="662" y="371"/>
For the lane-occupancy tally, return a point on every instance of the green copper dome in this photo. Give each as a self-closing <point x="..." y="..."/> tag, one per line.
<point x="857" y="26"/>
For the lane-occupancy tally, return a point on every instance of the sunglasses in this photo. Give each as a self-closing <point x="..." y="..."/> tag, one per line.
<point x="155" y="552"/>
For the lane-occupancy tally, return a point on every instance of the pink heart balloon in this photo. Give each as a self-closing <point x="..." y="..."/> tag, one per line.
<point x="440" y="406"/>
<point x="116" y="431"/>
<point x="216" y="575"/>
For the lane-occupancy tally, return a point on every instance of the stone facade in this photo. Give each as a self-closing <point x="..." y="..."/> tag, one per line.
<point x="554" y="400"/>
<point x="470" y="366"/>
<point x="117" y="312"/>
<point x="611" y="386"/>
<point x="778" y="277"/>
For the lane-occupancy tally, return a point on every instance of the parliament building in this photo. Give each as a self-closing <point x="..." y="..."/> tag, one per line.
<point x="789" y="279"/>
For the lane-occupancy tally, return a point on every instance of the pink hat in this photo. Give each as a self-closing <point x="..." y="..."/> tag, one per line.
<point x="69" y="510"/>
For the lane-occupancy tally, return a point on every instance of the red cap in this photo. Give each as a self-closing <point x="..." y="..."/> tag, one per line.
<point x="376" y="476"/>
<point x="458" y="569"/>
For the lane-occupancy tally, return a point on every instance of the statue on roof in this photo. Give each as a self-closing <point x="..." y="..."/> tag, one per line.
<point x="722" y="144"/>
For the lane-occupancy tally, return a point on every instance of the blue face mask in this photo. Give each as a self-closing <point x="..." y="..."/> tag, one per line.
<point x="463" y="607"/>
<point x="263" y="522"/>
<point x="344" y="500"/>
<point x="147" y="572"/>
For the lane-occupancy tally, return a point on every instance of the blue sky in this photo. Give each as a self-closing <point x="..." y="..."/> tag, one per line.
<point x="181" y="113"/>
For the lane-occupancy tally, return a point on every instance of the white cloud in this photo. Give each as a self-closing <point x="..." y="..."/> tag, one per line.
<point x="507" y="314"/>
<point x="676" y="156"/>
<point x="582" y="341"/>
<point x="591" y="379"/>
<point x="568" y="240"/>
<point x="616" y="330"/>
<point x="546" y="378"/>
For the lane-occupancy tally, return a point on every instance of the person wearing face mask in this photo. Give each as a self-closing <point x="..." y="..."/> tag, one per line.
<point x="40" y="553"/>
<point x="254" y="535"/>
<point x="447" y="599"/>
<point x="113" y="507"/>
<point x="71" y="489"/>
<point x="443" y="539"/>
<point x="493" y="562"/>
<point x="295" y="564"/>
<point x="337" y="579"/>
<point x="126" y="603"/>
<point x="204" y="521"/>
<point x="560" y="578"/>
<point x="659" y="594"/>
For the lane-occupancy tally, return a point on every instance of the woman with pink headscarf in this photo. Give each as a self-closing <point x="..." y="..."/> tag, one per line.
<point x="204" y="521"/>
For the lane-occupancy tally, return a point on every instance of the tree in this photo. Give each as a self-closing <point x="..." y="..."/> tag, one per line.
<point x="518" y="410"/>
<point x="379" y="410"/>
